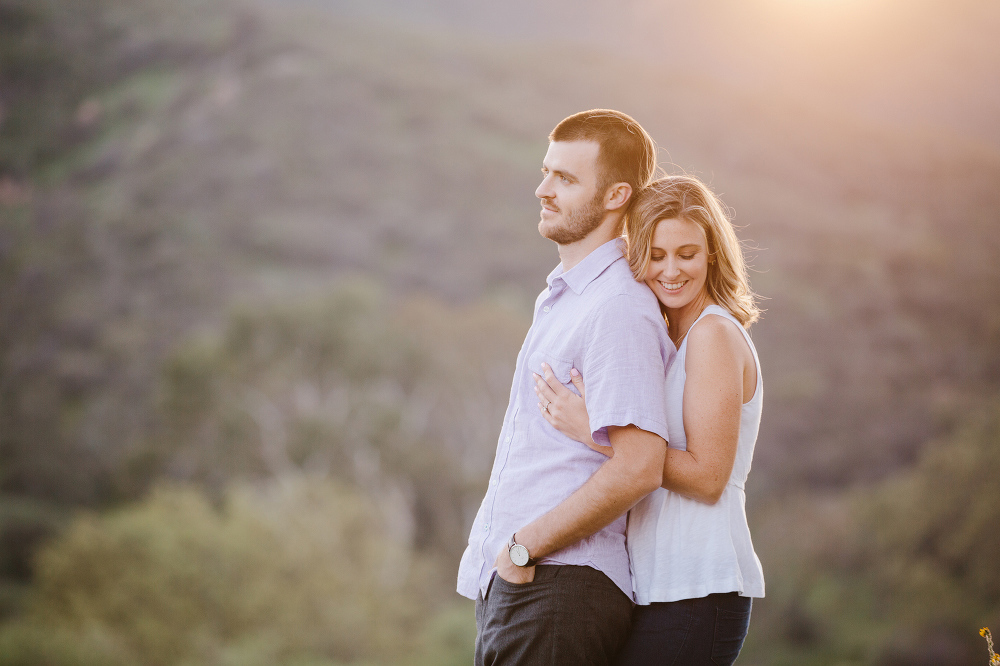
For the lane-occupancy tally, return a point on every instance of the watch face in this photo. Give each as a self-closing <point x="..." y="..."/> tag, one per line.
<point x="519" y="555"/>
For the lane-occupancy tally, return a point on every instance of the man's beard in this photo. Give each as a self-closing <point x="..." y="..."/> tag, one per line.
<point x="578" y="224"/>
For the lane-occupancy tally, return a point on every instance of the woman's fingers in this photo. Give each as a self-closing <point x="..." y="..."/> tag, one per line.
<point x="577" y="380"/>
<point x="554" y="397"/>
<point x="550" y="380"/>
<point x="555" y="387"/>
<point x="547" y="406"/>
<point x="543" y="390"/>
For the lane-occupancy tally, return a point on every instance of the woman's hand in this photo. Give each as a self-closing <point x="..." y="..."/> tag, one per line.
<point x="565" y="410"/>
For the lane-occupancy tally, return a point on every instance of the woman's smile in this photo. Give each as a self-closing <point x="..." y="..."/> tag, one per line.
<point x="672" y="287"/>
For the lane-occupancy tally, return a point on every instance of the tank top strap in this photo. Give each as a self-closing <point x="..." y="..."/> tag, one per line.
<point x="718" y="310"/>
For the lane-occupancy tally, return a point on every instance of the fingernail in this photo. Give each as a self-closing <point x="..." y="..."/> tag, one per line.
<point x="574" y="372"/>
<point x="544" y="364"/>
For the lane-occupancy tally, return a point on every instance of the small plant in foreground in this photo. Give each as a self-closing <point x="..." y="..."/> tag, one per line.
<point x="994" y="657"/>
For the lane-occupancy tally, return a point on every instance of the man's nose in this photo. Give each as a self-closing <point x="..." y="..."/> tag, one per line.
<point x="544" y="190"/>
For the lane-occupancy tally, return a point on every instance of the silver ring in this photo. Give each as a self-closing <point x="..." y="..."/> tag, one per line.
<point x="546" y="408"/>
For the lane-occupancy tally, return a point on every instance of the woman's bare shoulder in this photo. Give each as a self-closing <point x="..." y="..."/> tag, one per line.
<point x="714" y="333"/>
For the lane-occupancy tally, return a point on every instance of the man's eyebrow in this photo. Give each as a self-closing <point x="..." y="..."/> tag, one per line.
<point x="560" y="172"/>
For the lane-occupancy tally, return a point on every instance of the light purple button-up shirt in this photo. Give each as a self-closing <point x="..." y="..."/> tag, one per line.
<point x="596" y="318"/>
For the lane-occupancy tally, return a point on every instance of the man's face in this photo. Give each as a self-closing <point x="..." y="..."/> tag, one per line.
<point x="572" y="205"/>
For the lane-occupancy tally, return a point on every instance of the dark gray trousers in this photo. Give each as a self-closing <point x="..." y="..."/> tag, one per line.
<point x="572" y="615"/>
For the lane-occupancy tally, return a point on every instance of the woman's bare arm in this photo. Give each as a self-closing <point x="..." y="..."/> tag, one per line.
<point x="721" y="376"/>
<point x="717" y="360"/>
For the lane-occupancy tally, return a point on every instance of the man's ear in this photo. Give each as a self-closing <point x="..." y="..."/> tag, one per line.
<point x="617" y="196"/>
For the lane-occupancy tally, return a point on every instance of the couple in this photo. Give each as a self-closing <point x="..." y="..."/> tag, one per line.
<point x="652" y="334"/>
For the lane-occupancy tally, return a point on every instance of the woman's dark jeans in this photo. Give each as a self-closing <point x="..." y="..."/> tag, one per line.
<point x="709" y="630"/>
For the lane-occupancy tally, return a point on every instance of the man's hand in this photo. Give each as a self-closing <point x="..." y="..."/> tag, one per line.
<point x="512" y="573"/>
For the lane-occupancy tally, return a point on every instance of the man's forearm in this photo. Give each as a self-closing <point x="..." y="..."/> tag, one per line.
<point x="635" y="471"/>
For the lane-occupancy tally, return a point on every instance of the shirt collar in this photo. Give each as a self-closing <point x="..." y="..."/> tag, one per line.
<point x="595" y="263"/>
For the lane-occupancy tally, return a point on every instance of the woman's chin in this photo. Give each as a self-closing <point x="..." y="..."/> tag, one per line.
<point x="671" y="299"/>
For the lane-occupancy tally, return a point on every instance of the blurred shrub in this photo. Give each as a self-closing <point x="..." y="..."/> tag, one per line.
<point x="449" y="639"/>
<point x="294" y="569"/>
<point x="904" y="572"/>
<point x="25" y="644"/>
<point x="931" y="539"/>
<point x="24" y="525"/>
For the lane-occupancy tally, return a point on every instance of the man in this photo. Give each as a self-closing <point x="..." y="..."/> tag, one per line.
<point x="546" y="560"/>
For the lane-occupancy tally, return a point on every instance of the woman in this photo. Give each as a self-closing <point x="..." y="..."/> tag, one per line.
<point x="693" y="564"/>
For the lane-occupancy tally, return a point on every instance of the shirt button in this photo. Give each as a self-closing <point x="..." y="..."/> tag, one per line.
<point x="486" y="527"/>
<point x="507" y="441"/>
<point x="546" y="308"/>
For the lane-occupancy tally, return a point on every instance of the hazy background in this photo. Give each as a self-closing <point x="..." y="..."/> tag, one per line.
<point x="265" y="266"/>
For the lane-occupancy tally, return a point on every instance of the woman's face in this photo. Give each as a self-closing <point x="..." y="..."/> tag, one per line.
<point x="678" y="262"/>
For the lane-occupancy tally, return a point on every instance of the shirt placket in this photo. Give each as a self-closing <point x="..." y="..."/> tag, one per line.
<point x="507" y="432"/>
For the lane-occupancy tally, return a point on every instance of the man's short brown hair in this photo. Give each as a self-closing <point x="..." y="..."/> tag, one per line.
<point x="627" y="152"/>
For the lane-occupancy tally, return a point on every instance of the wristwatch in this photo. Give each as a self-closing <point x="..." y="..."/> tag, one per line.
<point x="519" y="554"/>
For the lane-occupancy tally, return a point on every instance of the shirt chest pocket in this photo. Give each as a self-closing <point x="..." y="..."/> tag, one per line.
<point x="560" y="366"/>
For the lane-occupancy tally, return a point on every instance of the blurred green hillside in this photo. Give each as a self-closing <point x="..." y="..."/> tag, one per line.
<point x="253" y="250"/>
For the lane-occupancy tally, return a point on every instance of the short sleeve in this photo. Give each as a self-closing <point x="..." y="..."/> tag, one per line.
<point x="624" y="366"/>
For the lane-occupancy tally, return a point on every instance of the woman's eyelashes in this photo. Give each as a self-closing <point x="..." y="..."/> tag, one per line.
<point x="656" y="258"/>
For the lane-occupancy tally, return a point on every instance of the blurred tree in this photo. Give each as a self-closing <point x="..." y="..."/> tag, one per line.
<point x="399" y="397"/>
<point x="290" y="569"/>
<point x="903" y="572"/>
<point x="931" y="543"/>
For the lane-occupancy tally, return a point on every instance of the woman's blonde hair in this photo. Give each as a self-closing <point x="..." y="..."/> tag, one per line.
<point x="687" y="198"/>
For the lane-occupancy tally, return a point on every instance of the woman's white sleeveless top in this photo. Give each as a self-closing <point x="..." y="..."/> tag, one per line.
<point x="680" y="548"/>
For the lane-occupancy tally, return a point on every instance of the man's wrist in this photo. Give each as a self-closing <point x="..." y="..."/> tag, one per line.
<point x="518" y="553"/>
